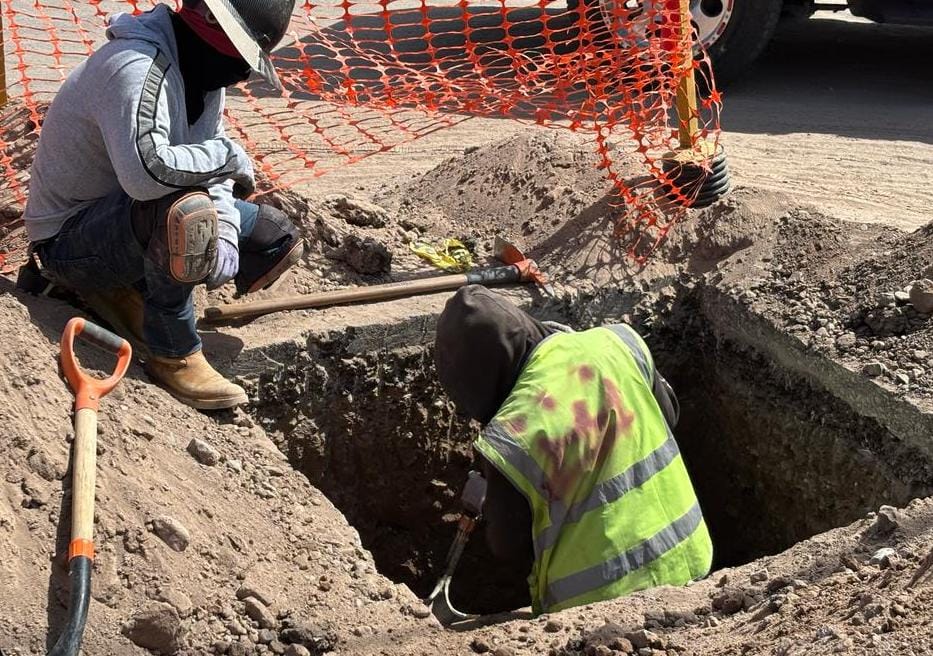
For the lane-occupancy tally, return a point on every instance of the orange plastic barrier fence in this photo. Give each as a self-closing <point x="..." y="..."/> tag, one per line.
<point x="365" y="76"/>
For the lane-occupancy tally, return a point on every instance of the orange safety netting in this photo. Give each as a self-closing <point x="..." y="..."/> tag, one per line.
<point x="365" y="76"/>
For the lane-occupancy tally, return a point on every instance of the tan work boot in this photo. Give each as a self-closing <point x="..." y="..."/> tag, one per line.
<point x="194" y="382"/>
<point x="123" y="309"/>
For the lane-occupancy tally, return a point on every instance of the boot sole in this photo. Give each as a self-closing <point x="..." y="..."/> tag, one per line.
<point x="224" y="403"/>
<point x="274" y="275"/>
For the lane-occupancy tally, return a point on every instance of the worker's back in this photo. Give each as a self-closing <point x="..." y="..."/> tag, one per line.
<point x="112" y="122"/>
<point x="584" y="440"/>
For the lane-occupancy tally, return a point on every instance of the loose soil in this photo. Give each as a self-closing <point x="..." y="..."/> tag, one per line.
<point x="774" y="449"/>
<point x="319" y="515"/>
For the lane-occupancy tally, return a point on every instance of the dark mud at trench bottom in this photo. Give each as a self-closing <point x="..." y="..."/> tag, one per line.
<point x="774" y="458"/>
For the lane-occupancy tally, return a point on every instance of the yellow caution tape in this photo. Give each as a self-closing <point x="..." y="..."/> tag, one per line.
<point x="451" y="255"/>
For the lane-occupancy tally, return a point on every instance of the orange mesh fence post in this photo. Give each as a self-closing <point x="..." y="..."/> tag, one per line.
<point x="688" y="118"/>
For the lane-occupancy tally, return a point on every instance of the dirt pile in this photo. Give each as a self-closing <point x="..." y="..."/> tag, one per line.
<point x="207" y="541"/>
<point x="855" y="292"/>
<point x="524" y="187"/>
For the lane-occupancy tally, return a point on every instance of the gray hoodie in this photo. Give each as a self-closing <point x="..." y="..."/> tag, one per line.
<point x="119" y="122"/>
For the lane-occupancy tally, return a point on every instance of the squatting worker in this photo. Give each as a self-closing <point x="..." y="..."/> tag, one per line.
<point x="587" y="491"/>
<point x="136" y="191"/>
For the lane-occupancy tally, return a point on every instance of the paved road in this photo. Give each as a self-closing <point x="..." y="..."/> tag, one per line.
<point x="840" y="112"/>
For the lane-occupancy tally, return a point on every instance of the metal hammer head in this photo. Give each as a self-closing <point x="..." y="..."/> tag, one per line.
<point x="509" y="253"/>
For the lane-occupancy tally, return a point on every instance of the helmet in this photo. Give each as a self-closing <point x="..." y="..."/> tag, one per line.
<point x="255" y="27"/>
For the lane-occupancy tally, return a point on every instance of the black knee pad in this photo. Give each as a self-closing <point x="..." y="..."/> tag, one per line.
<point x="179" y="233"/>
<point x="274" y="245"/>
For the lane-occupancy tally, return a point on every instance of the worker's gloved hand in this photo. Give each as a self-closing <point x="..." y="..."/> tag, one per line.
<point x="226" y="265"/>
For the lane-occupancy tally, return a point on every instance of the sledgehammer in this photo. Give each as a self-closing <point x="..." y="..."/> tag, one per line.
<point x="519" y="269"/>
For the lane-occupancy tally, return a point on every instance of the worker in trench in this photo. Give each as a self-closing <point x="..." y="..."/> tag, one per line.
<point x="136" y="193"/>
<point x="587" y="491"/>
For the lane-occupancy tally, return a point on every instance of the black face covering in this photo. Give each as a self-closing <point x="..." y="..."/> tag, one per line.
<point x="203" y="68"/>
<point x="482" y="344"/>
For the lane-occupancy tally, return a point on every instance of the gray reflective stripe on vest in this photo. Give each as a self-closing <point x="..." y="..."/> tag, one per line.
<point x="608" y="491"/>
<point x="146" y="113"/>
<point x="632" y="560"/>
<point x="514" y="454"/>
<point x="636" y="346"/>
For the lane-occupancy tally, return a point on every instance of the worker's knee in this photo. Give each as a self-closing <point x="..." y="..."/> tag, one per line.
<point x="179" y="234"/>
<point x="273" y="245"/>
<point x="272" y="228"/>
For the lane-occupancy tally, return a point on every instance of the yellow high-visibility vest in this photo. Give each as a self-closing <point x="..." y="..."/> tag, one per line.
<point x="582" y="437"/>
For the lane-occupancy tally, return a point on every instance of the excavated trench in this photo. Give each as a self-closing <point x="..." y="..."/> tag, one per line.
<point x="774" y="458"/>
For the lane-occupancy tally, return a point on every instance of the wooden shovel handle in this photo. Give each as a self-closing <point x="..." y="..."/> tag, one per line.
<point x="84" y="474"/>
<point x="493" y="276"/>
<point x="88" y="393"/>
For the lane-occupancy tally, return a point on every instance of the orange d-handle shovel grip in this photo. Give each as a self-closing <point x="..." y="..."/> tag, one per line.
<point x="88" y="393"/>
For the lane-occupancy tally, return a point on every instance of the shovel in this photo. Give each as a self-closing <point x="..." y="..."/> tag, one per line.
<point x="88" y="393"/>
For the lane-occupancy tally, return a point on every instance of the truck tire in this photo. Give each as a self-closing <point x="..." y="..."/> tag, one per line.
<point x="748" y="30"/>
<point x="734" y="32"/>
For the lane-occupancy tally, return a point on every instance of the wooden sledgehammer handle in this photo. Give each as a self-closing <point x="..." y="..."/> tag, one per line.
<point x="494" y="276"/>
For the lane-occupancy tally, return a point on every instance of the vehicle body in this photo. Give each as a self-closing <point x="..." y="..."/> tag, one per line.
<point x="735" y="32"/>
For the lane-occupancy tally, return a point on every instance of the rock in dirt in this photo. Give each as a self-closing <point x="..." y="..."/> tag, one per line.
<point x="356" y="212"/>
<point x="921" y="296"/>
<point x="317" y="639"/>
<point x="480" y="645"/>
<point x="886" y="522"/>
<point x="886" y="299"/>
<point x="884" y="557"/>
<point x="177" y="600"/>
<point x="365" y="255"/>
<point x="171" y="532"/>
<point x="297" y="650"/>
<point x="258" y="612"/>
<point x="609" y="635"/>
<point x="730" y="601"/>
<point x="669" y="619"/>
<point x="553" y="626"/>
<point x="250" y="589"/>
<point x="759" y="577"/>
<point x="874" y="369"/>
<point x="846" y="341"/>
<point x="156" y="628"/>
<point x="644" y="640"/>
<point x="35" y="494"/>
<point x="47" y="467"/>
<point x="418" y="610"/>
<point x="203" y="452"/>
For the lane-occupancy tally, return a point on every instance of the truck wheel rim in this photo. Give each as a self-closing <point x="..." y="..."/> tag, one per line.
<point x="709" y="17"/>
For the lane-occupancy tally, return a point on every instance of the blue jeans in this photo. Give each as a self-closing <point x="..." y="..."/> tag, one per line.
<point x="96" y="250"/>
